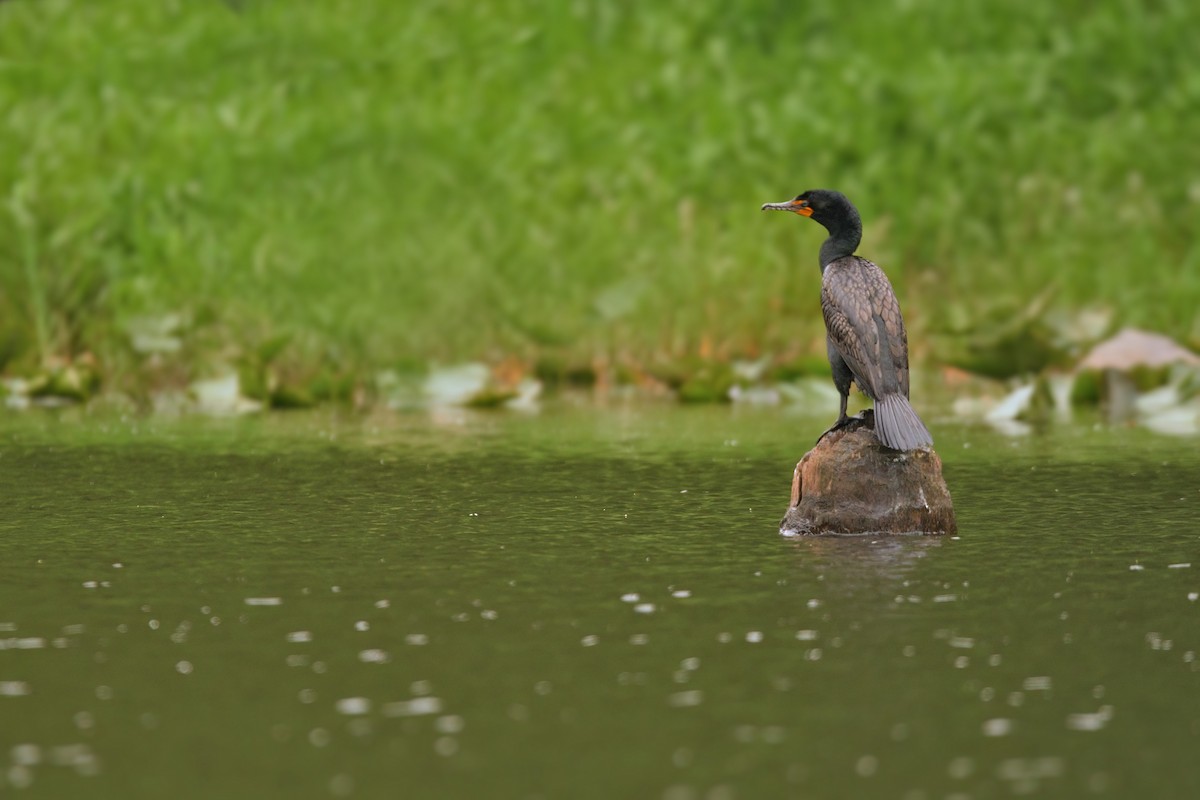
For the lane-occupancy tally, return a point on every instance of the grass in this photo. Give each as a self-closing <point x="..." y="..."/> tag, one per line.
<point x="383" y="184"/>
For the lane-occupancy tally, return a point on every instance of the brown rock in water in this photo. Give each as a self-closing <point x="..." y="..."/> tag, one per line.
<point x="851" y="484"/>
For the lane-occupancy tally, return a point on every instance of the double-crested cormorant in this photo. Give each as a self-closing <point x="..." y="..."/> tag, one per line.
<point x="865" y="333"/>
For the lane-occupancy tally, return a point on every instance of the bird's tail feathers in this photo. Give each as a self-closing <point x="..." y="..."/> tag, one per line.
<point x="898" y="426"/>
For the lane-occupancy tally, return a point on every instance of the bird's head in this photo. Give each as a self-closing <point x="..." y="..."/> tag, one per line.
<point x="824" y="205"/>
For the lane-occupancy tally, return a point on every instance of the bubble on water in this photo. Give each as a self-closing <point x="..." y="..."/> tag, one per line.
<point x="104" y="693"/>
<point x="421" y="688"/>
<point x="945" y="598"/>
<point x="960" y="768"/>
<point x="297" y="637"/>
<point x="644" y="608"/>
<point x="1180" y="565"/>
<point x="1193" y="596"/>
<point x="962" y="662"/>
<point x="1038" y="683"/>
<point x="153" y="624"/>
<point x="14" y="688"/>
<point x="690" y="663"/>
<point x="1090" y="722"/>
<point x="362" y="625"/>
<point x="297" y="660"/>
<point x="591" y="640"/>
<point x="19" y="777"/>
<point x="418" y="706"/>
<point x="744" y="733"/>
<point x="353" y="705"/>
<point x="1157" y="642"/>
<point x="307" y="696"/>
<point x="724" y="637"/>
<point x="866" y="766"/>
<point x="639" y="639"/>
<point x="806" y="635"/>
<point x="997" y="727"/>
<point x="1026" y="773"/>
<point x="445" y="746"/>
<point x="489" y="614"/>
<point x="383" y="603"/>
<point x="25" y="755"/>
<point x="630" y="597"/>
<point x="451" y="723"/>
<point x="813" y="603"/>
<point x="264" y="601"/>
<point x="374" y="656"/>
<point x="681" y="594"/>
<point x="318" y="737"/>
<point x="962" y="642"/>
<point x="184" y="667"/>
<point x="692" y="697"/>
<point x="341" y="785"/>
<point x="754" y="637"/>
<point x="77" y="756"/>
<point x="416" y="639"/>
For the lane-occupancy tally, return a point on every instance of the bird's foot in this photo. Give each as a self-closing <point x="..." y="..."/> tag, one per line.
<point x="864" y="418"/>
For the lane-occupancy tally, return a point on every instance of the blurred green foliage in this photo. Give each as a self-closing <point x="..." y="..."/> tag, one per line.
<point x="377" y="182"/>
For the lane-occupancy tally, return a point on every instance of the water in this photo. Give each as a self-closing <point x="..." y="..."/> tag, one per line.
<point x="588" y="603"/>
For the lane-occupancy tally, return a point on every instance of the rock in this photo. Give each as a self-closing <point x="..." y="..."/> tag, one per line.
<point x="851" y="484"/>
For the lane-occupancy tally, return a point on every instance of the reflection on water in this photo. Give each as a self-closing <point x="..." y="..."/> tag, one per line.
<point x="592" y="605"/>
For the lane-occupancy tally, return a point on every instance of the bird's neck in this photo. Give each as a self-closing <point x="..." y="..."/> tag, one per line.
<point x="843" y="240"/>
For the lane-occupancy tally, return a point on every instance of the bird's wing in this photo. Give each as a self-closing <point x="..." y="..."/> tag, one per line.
<point x="863" y="319"/>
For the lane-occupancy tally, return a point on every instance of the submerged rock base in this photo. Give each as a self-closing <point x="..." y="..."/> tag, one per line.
<point x="851" y="484"/>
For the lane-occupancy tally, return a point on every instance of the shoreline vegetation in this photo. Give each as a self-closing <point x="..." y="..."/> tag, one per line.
<point x="328" y="201"/>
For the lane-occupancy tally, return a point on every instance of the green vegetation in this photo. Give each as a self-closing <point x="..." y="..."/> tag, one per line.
<point x="337" y="187"/>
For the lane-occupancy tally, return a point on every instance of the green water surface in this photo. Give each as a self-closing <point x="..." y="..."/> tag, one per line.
<point x="584" y="603"/>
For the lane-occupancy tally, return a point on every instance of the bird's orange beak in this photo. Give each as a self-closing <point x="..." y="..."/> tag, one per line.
<point x="795" y="206"/>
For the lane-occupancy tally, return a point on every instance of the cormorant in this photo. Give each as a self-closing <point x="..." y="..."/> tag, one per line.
<point x="865" y="333"/>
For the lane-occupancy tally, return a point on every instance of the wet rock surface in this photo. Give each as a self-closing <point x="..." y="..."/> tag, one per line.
<point x="851" y="484"/>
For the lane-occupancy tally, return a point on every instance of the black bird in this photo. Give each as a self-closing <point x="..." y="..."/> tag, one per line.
<point x="865" y="333"/>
